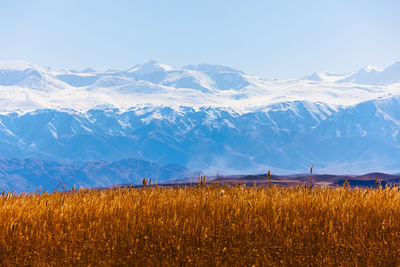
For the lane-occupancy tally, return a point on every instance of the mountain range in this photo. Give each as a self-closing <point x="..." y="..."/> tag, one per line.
<point x="368" y="75"/>
<point x="31" y="174"/>
<point x="201" y="117"/>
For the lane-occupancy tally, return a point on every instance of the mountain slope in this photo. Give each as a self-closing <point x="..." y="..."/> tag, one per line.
<point x="28" y="174"/>
<point x="374" y="76"/>
<point x="208" y="139"/>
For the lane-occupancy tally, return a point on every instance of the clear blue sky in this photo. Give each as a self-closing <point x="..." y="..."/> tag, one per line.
<point x="274" y="39"/>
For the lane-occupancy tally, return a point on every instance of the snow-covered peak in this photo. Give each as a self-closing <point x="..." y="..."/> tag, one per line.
<point x="27" y="86"/>
<point x="150" y="67"/>
<point x="26" y="75"/>
<point x="211" y="68"/>
<point x="375" y="76"/>
<point x="369" y="68"/>
<point x="324" y="77"/>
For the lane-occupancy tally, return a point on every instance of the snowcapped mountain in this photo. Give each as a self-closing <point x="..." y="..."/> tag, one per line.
<point x="368" y="75"/>
<point x="286" y="136"/>
<point x="325" y="77"/>
<point x="26" y="75"/>
<point x="26" y="87"/>
<point x="204" y="117"/>
<point x="374" y="76"/>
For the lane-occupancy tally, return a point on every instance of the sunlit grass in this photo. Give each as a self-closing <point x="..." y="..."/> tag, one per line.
<point x="204" y="225"/>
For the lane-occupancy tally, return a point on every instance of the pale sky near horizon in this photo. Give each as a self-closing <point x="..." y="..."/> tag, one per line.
<point x="273" y="39"/>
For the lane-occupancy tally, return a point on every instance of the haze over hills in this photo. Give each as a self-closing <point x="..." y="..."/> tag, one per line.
<point x="204" y="117"/>
<point x="28" y="174"/>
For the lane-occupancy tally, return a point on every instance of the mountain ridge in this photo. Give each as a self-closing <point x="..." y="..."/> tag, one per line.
<point x="26" y="87"/>
<point x="31" y="174"/>
<point x="286" y="136"/>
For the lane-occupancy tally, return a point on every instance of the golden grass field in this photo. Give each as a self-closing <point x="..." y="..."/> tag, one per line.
<point x="203" y="225"/>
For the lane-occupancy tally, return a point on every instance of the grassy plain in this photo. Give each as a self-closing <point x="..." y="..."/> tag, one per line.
<point x="203" y="225"/>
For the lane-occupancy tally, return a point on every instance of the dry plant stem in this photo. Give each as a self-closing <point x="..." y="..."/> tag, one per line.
<point x="204" y="225"/>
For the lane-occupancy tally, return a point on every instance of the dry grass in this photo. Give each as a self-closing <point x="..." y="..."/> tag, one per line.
<point x="206" y="225"/>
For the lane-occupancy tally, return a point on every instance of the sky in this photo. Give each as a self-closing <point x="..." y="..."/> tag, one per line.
<point x="273" y="39"/>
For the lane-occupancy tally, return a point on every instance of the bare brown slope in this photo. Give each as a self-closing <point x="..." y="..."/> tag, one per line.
<point x="365" y="180"/>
